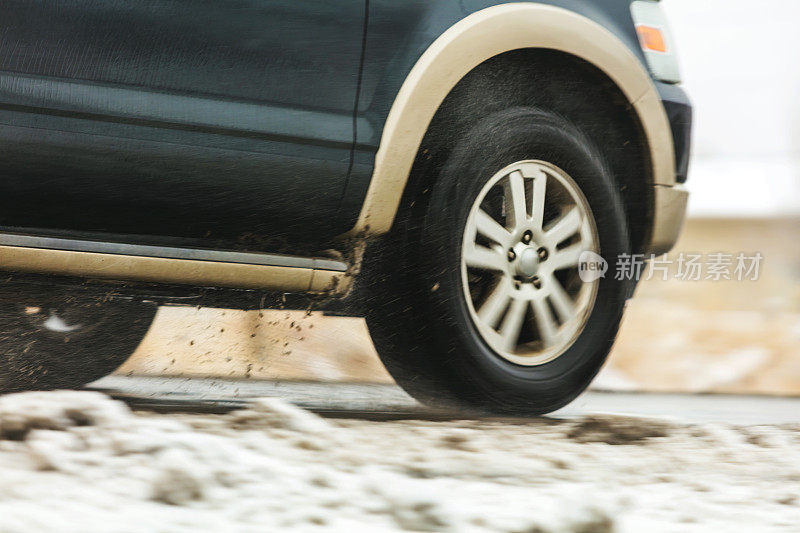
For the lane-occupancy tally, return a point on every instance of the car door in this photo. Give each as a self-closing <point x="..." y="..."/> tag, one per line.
<point x="218" y="122"/>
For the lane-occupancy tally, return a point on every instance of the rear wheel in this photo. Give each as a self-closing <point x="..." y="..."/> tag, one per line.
<point x="50" y="339"/>
<point x="483" y="303"/>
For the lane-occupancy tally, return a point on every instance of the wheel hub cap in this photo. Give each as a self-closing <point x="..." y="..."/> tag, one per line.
<point x="527" y="262"/>
<point x="522" y="244"/>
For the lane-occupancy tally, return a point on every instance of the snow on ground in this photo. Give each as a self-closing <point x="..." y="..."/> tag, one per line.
<point x="79" y="461"/>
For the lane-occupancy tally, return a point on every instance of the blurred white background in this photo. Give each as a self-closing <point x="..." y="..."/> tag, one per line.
<point x="740" y="67"/>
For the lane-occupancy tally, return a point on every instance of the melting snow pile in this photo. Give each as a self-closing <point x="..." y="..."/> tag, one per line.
<point x="79" y="461"/>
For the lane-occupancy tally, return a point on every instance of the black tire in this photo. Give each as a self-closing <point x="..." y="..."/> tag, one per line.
<point x="52" y="339"/>
<point x="418" y="316"/>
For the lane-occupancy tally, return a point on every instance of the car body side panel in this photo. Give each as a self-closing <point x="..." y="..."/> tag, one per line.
<point x="213" y="120"/>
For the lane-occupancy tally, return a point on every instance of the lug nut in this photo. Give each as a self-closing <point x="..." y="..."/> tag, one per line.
<point x="527" y="237"/>
<point x="543" y="254"/>
<point x="536" y="282"/>
<point x="512" y="255"/>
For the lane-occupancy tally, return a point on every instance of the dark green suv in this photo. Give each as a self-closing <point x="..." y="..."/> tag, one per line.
<point x="446" y="168"/>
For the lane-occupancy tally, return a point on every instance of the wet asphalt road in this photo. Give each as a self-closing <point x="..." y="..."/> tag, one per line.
<point x="386" y="402"/>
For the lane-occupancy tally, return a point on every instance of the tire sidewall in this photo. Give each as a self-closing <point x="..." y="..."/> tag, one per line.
<point x="496" y="142"/>
<point x="32" y="356"/>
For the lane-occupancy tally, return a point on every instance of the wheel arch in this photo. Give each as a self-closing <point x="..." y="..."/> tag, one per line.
<point x="477" y="39"/>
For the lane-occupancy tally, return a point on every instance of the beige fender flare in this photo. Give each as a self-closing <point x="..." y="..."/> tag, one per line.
<point x="481" y="36"/>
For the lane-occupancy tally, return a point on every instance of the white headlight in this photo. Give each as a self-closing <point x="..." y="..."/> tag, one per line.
<point x="656" y="40"/>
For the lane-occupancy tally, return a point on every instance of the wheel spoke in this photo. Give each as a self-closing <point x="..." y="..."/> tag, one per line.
<point x="561" y="300"/>
<point x="491" y="229"/>
<point x="537" y="207"/>
<point x="566" y="226"/>
<point x="515" y="201"/>
<point x="484" y="258"/>
<point x="497" y="302"/>
<point x="568" y="257"/>
<point x="544" y="322"/>
<point x="528" y="312"/>
<point x="512" y="324"/>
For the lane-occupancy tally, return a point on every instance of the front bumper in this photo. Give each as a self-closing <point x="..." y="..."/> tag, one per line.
<point x="679" y="113"/>
<point x="669" y="214"/>
<point x="669" y="201"/>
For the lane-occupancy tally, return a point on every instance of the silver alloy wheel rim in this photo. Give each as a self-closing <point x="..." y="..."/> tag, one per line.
<point x="519" y="264"/>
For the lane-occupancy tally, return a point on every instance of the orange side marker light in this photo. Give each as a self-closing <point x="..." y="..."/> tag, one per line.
<point x="652" y="39"/>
